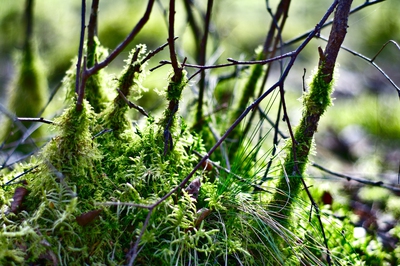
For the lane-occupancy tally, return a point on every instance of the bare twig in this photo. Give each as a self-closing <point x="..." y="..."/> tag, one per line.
<point x="153" y="53"/>
<point x="80" y="49"/>
<point x="233" y="62"/>
<point x="132" y="105"/>
<point x="202" y="61"/>
<point x="26" y="133"/>
<point x="106" y="130"/>
<point x="171" y="37"/>
<point x="125" y="42"/>
<point x="92" y="28"/>
<point x="270" y="49"/>
<point x="20" y="175"/>
<point x="391" y="187"/>
<point x="133" y="252"/>
<point x="33" y="119"/>
<point x="371" y="61"/>
<point x="354" y="10"/>
<point x="255" y="186"/>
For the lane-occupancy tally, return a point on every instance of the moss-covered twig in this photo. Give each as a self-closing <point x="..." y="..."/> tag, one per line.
<point x="315" y="102"/>
<point x="176" y="85"/>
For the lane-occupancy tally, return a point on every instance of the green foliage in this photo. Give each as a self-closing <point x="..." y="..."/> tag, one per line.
<point x="92" y="182"/>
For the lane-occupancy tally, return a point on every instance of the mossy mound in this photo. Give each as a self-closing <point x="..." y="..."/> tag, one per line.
<point x="93" y="195"/>
<point x="65" y="215"/>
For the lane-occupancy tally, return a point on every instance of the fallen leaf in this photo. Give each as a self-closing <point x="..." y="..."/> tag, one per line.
<point x="19" y="194"/>
<point x="88" y="217"/>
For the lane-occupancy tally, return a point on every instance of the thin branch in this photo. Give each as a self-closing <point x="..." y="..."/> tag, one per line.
<point x="391" y="187"/>
<point x="270" y="48"/>
<point x="26" y="133"/>
<point x="92" y="28"/>
<point x="202" y="61"/>
<point x="125" y="42"/>
<point x="233" y="63"/>
<point x="275" y="140"/>
<point x="132" y="105"/>
<point x="80" y="49"/>
<point x="371" y="61"/>
<point x="171" y="36"/>
<point x="354" y="10"/>
<point x="255" y="186"/>
<point x="32" y="119"/>
<point x="156" y="51"/>
<point x="134" y="251"/>
<point x="86" y="73"/>
<point x="20" y="175"/>
<point x="384" y="46"/>
<point x="106" y="130"/>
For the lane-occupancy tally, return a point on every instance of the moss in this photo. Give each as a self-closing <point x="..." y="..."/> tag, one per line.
<point x="130" y="85"/>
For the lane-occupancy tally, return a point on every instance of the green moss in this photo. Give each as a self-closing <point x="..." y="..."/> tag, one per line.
<point x="130" y="85"/>
<point x="175" y="88"/>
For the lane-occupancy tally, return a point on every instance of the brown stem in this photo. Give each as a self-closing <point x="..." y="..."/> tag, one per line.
<point x="202" y="61"/>
<point x="92" y="28"/>
<point x="28" y="22"/>
<point x="80" y="53"/>
<point x="336" y="37"/>
<point x="174" y="60"/>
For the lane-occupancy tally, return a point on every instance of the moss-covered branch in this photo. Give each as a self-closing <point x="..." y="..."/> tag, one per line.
<point x="315" y="103"/>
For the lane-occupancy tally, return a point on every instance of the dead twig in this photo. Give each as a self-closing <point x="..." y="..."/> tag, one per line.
<point x="391" y="187"/>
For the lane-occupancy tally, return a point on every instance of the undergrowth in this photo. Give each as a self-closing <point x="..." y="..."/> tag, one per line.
<point x="84" y="199"/>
